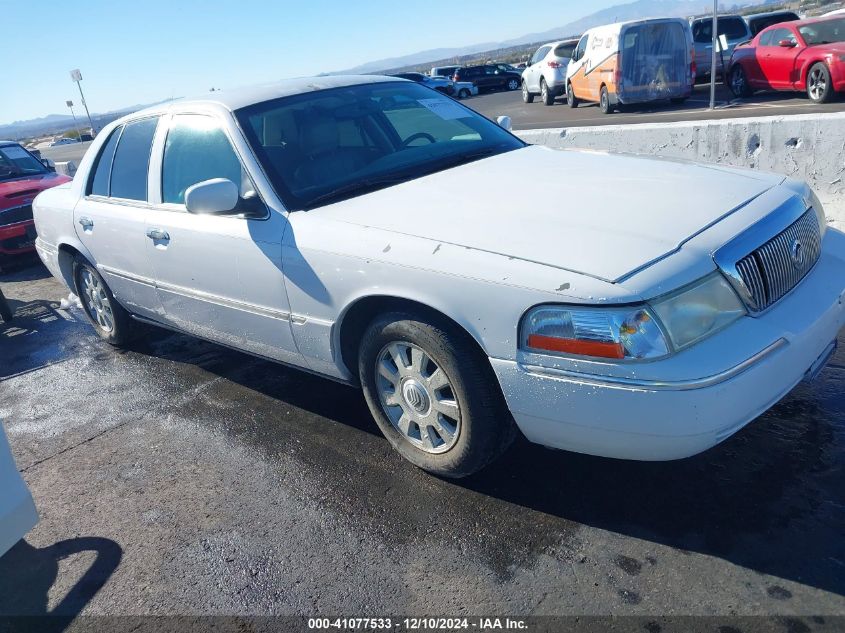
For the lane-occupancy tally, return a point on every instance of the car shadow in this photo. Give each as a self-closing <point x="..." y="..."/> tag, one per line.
<point x="770" y="498"/>
<point x="28" y="573"/>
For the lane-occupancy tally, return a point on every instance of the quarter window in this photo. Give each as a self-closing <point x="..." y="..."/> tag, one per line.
<point x="132" y="160"/>
<point x="197" y="149"/>
<point x="99" y="185"/>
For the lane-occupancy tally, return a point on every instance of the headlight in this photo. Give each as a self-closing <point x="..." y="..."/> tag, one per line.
<point x="699" y="311"/>
<point x="619" y="333"/>
<point x="813" y="201"/>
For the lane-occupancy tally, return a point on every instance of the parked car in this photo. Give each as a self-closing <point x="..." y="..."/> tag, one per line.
<point x="506" y="68"/>
<point x="759" y="21"/>
<point x="546" y="72"/>
<point x="22" y="176"/>
<point x="465" y="89"/>
<point x="632" y="62"/>
<point x="314" y="223"/>
<point x="794" y="56"/>
<point x="735" y="30"/>
<point x="63" y="141"/>
<point x="441" y="84"/>
<point x="17" y="510"/>
<point x="488" y="77"/>
<point x="443" y="71"/>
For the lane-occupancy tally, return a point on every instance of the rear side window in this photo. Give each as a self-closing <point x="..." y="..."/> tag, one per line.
<point x="99" y="185"/>
<point x="132" y="160"/>
<point x="197" y="149"/>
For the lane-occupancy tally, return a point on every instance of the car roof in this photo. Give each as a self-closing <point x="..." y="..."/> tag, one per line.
<point x="236" y="98"/>
<point x="709" y="18"/>
<point x="9" y="143"/>
<point x="556" y="43"/>
<point x="768" y="14"/>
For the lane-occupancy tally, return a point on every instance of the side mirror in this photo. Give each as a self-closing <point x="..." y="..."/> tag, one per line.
<point x="505" y="123"/>
<point x="788" y="43"/>
<point x="49" y="164"/>
<point x="212" y="197"/>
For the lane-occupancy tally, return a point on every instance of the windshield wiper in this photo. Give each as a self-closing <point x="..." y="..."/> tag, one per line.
<point x="358" y="187"/>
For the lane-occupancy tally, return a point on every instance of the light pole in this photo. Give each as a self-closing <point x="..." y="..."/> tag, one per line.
<point x="76" y="76"/>
<point x="713" y="55"/>
<point x="75" y="124"/>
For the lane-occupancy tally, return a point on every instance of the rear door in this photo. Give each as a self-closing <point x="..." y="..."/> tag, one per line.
<point x="219" y="277"/>
<point x="110" y="217"/>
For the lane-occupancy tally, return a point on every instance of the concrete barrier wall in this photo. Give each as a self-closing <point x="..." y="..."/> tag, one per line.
<point x="809" y="147"/>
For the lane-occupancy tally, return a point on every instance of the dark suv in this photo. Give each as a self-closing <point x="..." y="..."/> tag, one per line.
<point x="489" y="77"/>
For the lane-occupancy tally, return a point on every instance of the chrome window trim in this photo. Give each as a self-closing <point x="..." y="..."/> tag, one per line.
<point x="758" y="234"/>
<point x="654" y="385"/>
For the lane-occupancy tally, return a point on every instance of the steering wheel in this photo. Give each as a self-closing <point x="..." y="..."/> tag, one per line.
<point x="418" y="135"/>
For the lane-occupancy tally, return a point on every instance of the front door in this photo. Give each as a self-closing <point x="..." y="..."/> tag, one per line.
<point x="219" y="277"/>
<point x="110" y="217"/>
<point x="777" y="63"/>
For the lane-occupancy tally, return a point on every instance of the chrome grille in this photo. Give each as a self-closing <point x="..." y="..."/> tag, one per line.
<point x="775" y="268"/>
<point x="18" y="214"/>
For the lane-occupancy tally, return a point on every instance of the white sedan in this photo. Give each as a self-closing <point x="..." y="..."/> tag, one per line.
<point x="367" y="229"/>
<point x="17" y="510"/>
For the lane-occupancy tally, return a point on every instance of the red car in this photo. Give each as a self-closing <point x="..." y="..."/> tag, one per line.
<point x="22" y="177"/>
<point x="805" y="55"/>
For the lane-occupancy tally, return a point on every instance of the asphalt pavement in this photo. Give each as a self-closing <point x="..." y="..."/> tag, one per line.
<point x="180" y="477"/>
<point x="526" y="116"/>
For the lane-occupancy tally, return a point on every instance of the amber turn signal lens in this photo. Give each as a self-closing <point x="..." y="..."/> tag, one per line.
<point x="576" y="346"/>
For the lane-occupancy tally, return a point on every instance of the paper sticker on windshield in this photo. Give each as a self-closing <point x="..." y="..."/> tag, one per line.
<point x="446" y="110"/>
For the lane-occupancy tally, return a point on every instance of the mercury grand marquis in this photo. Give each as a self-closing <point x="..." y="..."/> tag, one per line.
<point x="368" y="229"/>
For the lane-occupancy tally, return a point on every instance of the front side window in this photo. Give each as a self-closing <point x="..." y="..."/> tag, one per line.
<point x="778" y="35"/>
<point x="197" y="149"/>
<point x="327" y="145"/>
<point x="15" y="162"/>
<point x="132" y="160"/>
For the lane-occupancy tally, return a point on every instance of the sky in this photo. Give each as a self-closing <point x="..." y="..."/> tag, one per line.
<point x="144" y="51"/>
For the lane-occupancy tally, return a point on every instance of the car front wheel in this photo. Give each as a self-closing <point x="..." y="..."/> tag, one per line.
<point x="571" y="99"/>
<point x="433" y="394"/>
<point x="819" y="85"/>
<point x="111" y="321"/>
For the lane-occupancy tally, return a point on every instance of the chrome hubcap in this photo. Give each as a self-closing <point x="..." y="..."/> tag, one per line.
<point x="417" y="397"/>
<point x="96" y="301"/>
<point x="818" y="85"/>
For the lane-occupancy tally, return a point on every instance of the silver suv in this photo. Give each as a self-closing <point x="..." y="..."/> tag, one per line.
<point x="732" y="27"/>
<point x="545" y="74"/>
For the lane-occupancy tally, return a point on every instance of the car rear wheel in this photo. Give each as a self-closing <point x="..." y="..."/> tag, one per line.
<point x="546" y="94"/>
<point x="571" y="99"/>
<point x="464" y="94"/>
<point x="739" y="82"/>
<point x="433" y="394"/>
<point x="513" y="84"/>
<point x="819" y="85"/>
<point x="527" y="97"/>
<point x="604" y="101"/>
<point x="111" y="322"/>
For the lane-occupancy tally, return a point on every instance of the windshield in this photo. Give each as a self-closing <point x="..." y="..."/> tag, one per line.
<point x="327" y="145"/>
<point x="15" y="162"/>
<point x="825" y="32"/>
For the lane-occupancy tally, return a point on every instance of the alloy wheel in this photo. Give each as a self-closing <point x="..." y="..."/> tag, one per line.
<point x="96" y="300"/>
<point x="417" y="397"/>
<point x="817" y="84"/>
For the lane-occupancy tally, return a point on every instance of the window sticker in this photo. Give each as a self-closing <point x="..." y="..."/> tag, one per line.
<point x="446" y="110"/>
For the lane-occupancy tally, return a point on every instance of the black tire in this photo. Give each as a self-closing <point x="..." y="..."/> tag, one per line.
<point x="546" y="95"/>
<point x="678" y="100"/>
<point x="486" y="426"/>
<point x="571" y="99"/>
<point x="5" y="310"/>
<point x="512" y="84"/>
<point x="527" y="97"/>
<point x="604" y="101"/>
<point x="819" y="84"/>
<point x="739" y="82"/>
<point x="464" y="94"/>
<point x="122" y="327"/>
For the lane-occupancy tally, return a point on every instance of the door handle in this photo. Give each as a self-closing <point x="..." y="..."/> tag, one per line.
<point x="157" y="234"/>
<point x="86" y="223"/>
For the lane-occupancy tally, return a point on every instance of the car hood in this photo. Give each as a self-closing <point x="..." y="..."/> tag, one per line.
<point x="21" y="191"/>
<point x="602" y="215"/>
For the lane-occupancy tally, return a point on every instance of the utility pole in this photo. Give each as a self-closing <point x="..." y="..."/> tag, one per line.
<point x="75" y="124"/>
<point x="713" y="55"/>
<point x="76" y="76"/>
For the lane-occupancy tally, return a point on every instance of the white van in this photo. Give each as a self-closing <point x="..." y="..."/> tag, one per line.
<point x="632" y="62"/>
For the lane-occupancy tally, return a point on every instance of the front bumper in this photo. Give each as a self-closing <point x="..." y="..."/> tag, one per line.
<point x="645" y="416"/>
<point x="18" y="238"/>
